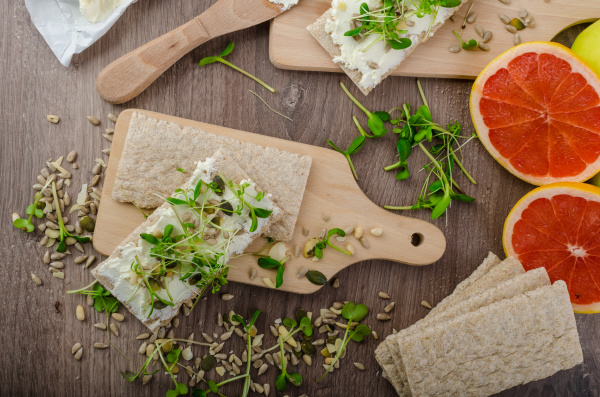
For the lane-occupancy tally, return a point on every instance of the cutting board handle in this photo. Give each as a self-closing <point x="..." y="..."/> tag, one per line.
<point x="128" y="76"/>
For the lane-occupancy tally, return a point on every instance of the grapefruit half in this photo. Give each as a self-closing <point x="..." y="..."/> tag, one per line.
<point x="536" y="109"/>
<point x="557" y="226"/>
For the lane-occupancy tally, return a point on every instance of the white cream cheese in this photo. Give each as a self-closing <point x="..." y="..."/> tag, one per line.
<point x="285" y="4"/>
<point x="98" y="10"/>
<point x="353" y="55"/>
<point x="136" y="294"/>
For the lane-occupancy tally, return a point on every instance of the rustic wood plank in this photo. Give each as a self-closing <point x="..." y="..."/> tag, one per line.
<point x="37" y="339"/>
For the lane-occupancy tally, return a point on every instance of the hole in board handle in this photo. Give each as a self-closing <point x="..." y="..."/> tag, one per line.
<point x="416" y="239"/>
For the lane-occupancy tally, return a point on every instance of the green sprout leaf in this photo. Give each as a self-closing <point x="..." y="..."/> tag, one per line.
<point x="268" y="263"/>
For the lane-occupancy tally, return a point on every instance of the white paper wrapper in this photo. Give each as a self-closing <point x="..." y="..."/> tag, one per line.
<point x="63" y="27"/>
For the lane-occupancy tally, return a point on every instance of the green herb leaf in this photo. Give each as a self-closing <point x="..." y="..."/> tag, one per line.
<point x="198" y="393"/>
<point x="280" y="382"/>
<point x="228" y="49"/>
<point x="262" y="213"/>
<point x="279" y="278"/>
<point x="24" y="224"/>
<point x="129" y="376"/>
<point x="149" y="238"/>
<point x="289" y="322"/>
<point x="212" y="385"/>
<point x="353" y="32"/>
<point x="404" y="149"/>
<point x="268" y="263"/>
<point x="356" y="144"/>
<point x="295" y="379"/>
<point x="175" y="201"/>
<point x="208" y="60"/>
<point x="383" y="116"/>
<point x="352" y="312"/>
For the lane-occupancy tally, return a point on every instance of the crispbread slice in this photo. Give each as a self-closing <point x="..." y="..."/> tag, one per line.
<point x="515" y="341"/>
<point x="224" y="164"/>
<point x="155" y="149"/>
<point x="318" y="31"/>
<point x="383" y="354"/>
<point x="508" y="289"/>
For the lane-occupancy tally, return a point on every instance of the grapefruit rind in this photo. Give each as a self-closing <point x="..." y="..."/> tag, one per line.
<point x="578" y="65"/>
<point x="583" y="190"/>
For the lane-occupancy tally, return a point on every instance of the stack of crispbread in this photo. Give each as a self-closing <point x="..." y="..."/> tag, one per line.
<point x="155" y="149"/>
<point x="501" y="327"/>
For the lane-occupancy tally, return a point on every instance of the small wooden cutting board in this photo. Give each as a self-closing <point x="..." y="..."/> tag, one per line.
<point x="292" y="47"/>
<point x="331" y="190"/>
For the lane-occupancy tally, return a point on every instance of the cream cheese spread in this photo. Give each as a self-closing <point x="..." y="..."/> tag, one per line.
<point x="378" y="60"/>
<point x="285" y="4"/>
<point x="131" y="289"/>
<point x="98" y="10"/>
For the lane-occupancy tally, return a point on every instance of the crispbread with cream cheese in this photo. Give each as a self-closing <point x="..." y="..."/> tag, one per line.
<point x="508" y="289"/>
<point x="319" y="32"/>
<point x="155" y="149"/>
<point x="383" y="354"/>
<point x="110" y="276"/>
<point x="511" y="342"/>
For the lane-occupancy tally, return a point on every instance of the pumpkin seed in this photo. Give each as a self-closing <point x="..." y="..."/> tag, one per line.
<point x="316" y="277"/>
<point x="207" y="362"/>
<point x="308" y="348"/>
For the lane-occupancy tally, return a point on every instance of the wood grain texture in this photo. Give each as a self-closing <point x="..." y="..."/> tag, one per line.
<point x="331" y="190"/>
<point x="551" y="18"/>
<point x="128" y="76"/>
<point x="37" y="340"/>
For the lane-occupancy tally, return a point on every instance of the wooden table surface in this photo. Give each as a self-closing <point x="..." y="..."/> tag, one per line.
<point x="37" y="337"/>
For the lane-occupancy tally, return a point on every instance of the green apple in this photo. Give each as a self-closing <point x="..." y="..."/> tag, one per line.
<point x="587" y="45"/>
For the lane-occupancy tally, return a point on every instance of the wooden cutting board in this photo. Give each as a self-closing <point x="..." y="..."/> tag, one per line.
<point x="292" y="47"/>
<point x="331" y="190"/>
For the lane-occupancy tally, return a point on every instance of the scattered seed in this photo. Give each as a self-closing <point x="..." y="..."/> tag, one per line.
<point x="504" y="18"/>
<point x="187" y="354"/>
<point x="89" y="261"/>
<point x="267" y="388"/>
<point x="268" y="282"/>
<point x="383" y="295"/>
<point x="36" y="279"/>
<point x="101" y="326"/>
<point x="89" y="301"/>
<point x="79" y="354"/>
<point x="517" y="39"/>
<point x="364" y="242"/>
<point x="253" y="273"/>
<point x="471" y="17"/>
<point x="374" y="333"/>
<point x="487" y="36"/>
<point x="523" y="13"/>
<point x="316" y="277"/>
<point x="71" y="156"/>
<point x="505" y="1"/>
<point x="302" y="272"/>
<point x="175" y="322"/>
<point x="350" y="249"/>
<point x="263" y="368"/>
<point x="118" y="316"/>
<point x="106" y="151"/>
<point x="426" y="304"/>
<point x="78" y="246"/>
<point x="80" y="259"/>
<point x="95" y="180"/>
<point x="531" y="24"/>
<point x="112" y="117"/>
<point x="335" y="283"/>
<point x="358" y="232"/>
<point x="359" y="366"/>
<point x="305" y="231"/>
<point x="207" y="337"/>
<point x="259" y="388"/>
<point x="389" y="307"/>
<point x="93" y="120"/>
<point x="80" y="313"/>
<point x="479" y="30"/>
<point x="382" y="317"/>
<point x="218" y="348"/>
<point x="114" y="329"/>
<point x="483" y="47"/>
<point x="227" y="297"/>
<point x="53" y="119"/>
<point x="510" y="28"/>
<point x="103" y="346"/>
<point x="46" y="258"/>
<point x="75" y="348"/>
<point x="226" y="335"/>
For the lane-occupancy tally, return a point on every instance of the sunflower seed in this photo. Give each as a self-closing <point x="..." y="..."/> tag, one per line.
<point x="364" y="242"/>
<point x="479" y="30"/>
<point x="510" y="29"/>
<point x="253" y="273"/>
<point x="531" y="24"/>
<point x="106" y="151"/>
<point x="375" y="335"/>
<point x="523" y="13"/>
<point x="101" y="326"/>
<point x="114" y="329"/>
<point x="187" y="354"/>
<point x="382" y="317"/>
<point x="78" y="228"/>
<point x="389" y="307"/>
<point x="93" y="120"/>
<point x="504" y="18"/>
<point x="207" y="337"/>
<point x="75" y="348"/>
<point x="226" y="297"/>
<point x="97" y="169"/>
<point x="118" y="316"/>
<point x="143" y="347"/>
<point x="78" y="246"/>
<point x="487" y="36"/>
<point x="145" y="335"/>
<point x="108" y="137"/>
<point x="89" y="300"/>
<point x="505" y="1"/>
<point x="80" y="313"/>
<point x="358" y="232"/>
<point x="78" y="354"/>
<point x="218" y="348"/>
<point x="110" y="131"/>
<point x="57" y="265"/>
<point x="150" y="349"/>
<point x="302" y="272"/>
<point x="426" y="304"/>
<point x="36" y="279"/>
<point x="483" y="47"/>
<point x="89" y="261"/>
<point x="103" y="346"/>
<point x="359" y="366"/>
<point x="383" y="295"/>
<point x="471" y="17"/>
<point x="376" y="231"/>
<point x="46" y="258"/>
<point x="259" y="388"/>
<point x="175" y="322"/>
<point x="95" y="180"/>
<point x="263" y="368"/>
<point x="80" y="259"/>
<point x="517" y="39"/>
<point x="335" y="283"/>
<point x="53" y="119"/>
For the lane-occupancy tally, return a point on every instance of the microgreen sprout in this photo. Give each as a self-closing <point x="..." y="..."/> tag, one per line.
<point x="255" y="212"/>
<point x="354" y="314"/>
<point x="33" y="209"/>
<point x="227" y="51"/>
<point x="354" y="147"/>
<point x="415" y="130"/>
<point x="374" y="123"/>
<point x="321" y="245"/>
<point x="284" y="377"/>
<point x="63" y="233"/>
<point x="466" y="45"/>
<point x="270" y="263"/>
<point x="248" y="328"/>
